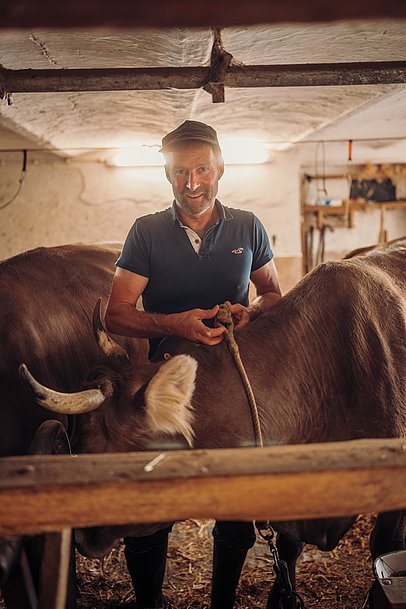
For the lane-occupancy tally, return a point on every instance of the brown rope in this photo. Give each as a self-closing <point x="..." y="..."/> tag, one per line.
<point x="224" y="318"/>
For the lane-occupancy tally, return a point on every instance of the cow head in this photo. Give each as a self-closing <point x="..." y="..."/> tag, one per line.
<point x="124" y="407"/>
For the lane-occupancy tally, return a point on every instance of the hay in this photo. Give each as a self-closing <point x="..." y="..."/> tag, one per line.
<point x="327" y="580"/>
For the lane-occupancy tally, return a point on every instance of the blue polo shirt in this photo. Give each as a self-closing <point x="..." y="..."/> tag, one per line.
<point x="157" y="247"/>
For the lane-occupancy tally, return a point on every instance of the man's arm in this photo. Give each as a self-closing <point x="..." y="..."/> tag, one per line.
<point x="266" y="283"/>
<point x="123" y="318"/>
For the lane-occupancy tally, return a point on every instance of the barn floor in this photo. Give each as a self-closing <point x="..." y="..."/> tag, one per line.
<point x="327" y="580"/>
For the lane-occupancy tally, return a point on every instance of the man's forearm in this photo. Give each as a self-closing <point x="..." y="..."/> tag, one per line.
<point x="126" y="320"/>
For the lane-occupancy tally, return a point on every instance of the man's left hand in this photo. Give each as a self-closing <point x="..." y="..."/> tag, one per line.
<point x="240" y="314"/>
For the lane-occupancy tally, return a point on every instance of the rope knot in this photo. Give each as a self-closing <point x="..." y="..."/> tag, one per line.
<point x="224" y="317"/>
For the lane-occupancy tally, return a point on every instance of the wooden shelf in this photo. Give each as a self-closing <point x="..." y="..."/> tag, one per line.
<point x="348" y="208"/>
<point x="327" y="210"/>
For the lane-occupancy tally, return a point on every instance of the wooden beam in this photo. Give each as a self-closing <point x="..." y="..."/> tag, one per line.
<point x="129" y="79"/>
<point x="181" y="13"/>
<point x="49" y="493"/>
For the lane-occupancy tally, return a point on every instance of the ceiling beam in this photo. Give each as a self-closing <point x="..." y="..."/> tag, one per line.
<point x="182" y="13"/>
<point x="144" y="79"/>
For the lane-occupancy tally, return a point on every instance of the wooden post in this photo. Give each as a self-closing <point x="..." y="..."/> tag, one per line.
<point x="54" y="570"/>
<point x="383" y="234"/>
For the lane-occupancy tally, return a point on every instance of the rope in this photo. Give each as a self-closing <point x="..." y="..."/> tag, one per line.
<point x="264" y="529"/>
<point x="224" y="318"/>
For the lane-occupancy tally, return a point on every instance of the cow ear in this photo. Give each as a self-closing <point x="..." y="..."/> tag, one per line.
<point x="168" y="397"/>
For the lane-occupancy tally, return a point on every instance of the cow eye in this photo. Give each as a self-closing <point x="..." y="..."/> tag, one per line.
<point x="97" y="377"/>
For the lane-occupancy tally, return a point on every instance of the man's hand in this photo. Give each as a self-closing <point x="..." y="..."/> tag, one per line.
<point x="240" y="314"/>
<point x="190" y="325"/>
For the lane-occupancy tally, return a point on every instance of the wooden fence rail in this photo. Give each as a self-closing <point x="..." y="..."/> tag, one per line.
<point x="51" y="493"/>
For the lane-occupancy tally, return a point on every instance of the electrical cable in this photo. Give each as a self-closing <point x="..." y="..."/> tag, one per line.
<point x="20" y="181"/>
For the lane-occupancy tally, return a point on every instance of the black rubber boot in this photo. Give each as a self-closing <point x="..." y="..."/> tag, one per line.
<point x="147" y="571"/>
<point x="227" y="566"/>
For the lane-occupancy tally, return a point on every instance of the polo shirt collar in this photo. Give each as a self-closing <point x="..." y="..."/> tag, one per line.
<point x="223" y="211"/>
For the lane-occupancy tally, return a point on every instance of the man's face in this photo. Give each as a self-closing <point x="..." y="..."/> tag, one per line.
<point x="194" y="171"/>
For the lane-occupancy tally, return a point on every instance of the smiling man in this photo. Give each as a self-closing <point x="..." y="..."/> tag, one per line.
<point x="184" y="262"/>
<point x="190" y="258"/>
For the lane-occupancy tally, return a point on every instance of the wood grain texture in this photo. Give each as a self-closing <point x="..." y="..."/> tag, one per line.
<point x="54" y="570"/>
<point x="49" y="493"/>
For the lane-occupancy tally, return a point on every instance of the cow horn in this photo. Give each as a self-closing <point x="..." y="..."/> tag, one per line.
<point x="106" y="343"/>
<point x="64" y="403"/>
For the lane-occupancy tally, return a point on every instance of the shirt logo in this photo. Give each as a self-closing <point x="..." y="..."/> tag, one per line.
<point x="238" y="250"/>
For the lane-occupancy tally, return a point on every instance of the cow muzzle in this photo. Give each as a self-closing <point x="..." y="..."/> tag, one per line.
<point x="63" y="403"/>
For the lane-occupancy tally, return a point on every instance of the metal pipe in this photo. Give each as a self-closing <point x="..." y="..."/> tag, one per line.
<point x="143" y="79"/>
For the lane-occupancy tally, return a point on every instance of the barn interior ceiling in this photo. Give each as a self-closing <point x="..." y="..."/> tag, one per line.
<point x="121" y="87"/>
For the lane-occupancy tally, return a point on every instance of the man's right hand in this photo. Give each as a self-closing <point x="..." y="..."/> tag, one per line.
<point x="190" y="325"/>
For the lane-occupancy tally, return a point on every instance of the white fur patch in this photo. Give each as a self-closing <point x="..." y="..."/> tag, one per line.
<point x="168" y="397"/>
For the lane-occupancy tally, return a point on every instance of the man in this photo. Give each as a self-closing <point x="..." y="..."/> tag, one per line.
<point x="184" y="262"/>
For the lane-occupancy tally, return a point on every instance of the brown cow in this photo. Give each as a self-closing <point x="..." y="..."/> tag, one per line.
<point x="47" y="297"/>
<point x="327" y="363"/>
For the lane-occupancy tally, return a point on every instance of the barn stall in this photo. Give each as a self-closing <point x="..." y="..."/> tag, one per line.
<point x="327" y="130"/>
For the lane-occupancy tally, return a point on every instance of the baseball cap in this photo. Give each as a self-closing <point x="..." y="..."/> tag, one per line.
<point x="190" y="130"/>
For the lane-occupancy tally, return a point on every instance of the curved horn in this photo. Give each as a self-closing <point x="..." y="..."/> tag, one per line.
<point x="64" y="403"/>
<point x="106" y="343"/>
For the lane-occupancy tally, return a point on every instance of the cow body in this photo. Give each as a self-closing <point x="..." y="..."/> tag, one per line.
<point x="326" y="363"/>
<point x="47" y="298"/>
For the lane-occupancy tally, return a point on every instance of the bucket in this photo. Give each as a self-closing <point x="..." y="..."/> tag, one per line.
<point x="389" y="590"/>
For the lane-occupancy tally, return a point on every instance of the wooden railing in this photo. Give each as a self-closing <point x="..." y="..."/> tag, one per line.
<point x="50" y="493"/>
<point x="54" y="493"/>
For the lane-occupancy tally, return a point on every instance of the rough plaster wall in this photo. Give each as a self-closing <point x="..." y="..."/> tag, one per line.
<point x="272" y="192"/>
<point x="69" y="202"/>
<point x="276" y="115"/>
<point x="64" y="202"/>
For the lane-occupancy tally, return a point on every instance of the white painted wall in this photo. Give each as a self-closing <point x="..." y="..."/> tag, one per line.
<point x="87" y="201"/>
<point x="64" y="202"/>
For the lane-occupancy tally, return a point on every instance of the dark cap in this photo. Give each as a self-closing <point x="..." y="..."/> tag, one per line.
<point x="190" y="130"/>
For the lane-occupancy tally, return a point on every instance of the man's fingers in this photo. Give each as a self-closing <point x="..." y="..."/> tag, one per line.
<point x="211" y="336"/>
<point x="215" y="332"/>
<point x="211" y="341"/>
<point x="209" y="313"/>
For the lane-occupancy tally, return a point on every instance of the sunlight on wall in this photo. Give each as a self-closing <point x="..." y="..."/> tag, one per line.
<point x="236" y="151"/>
